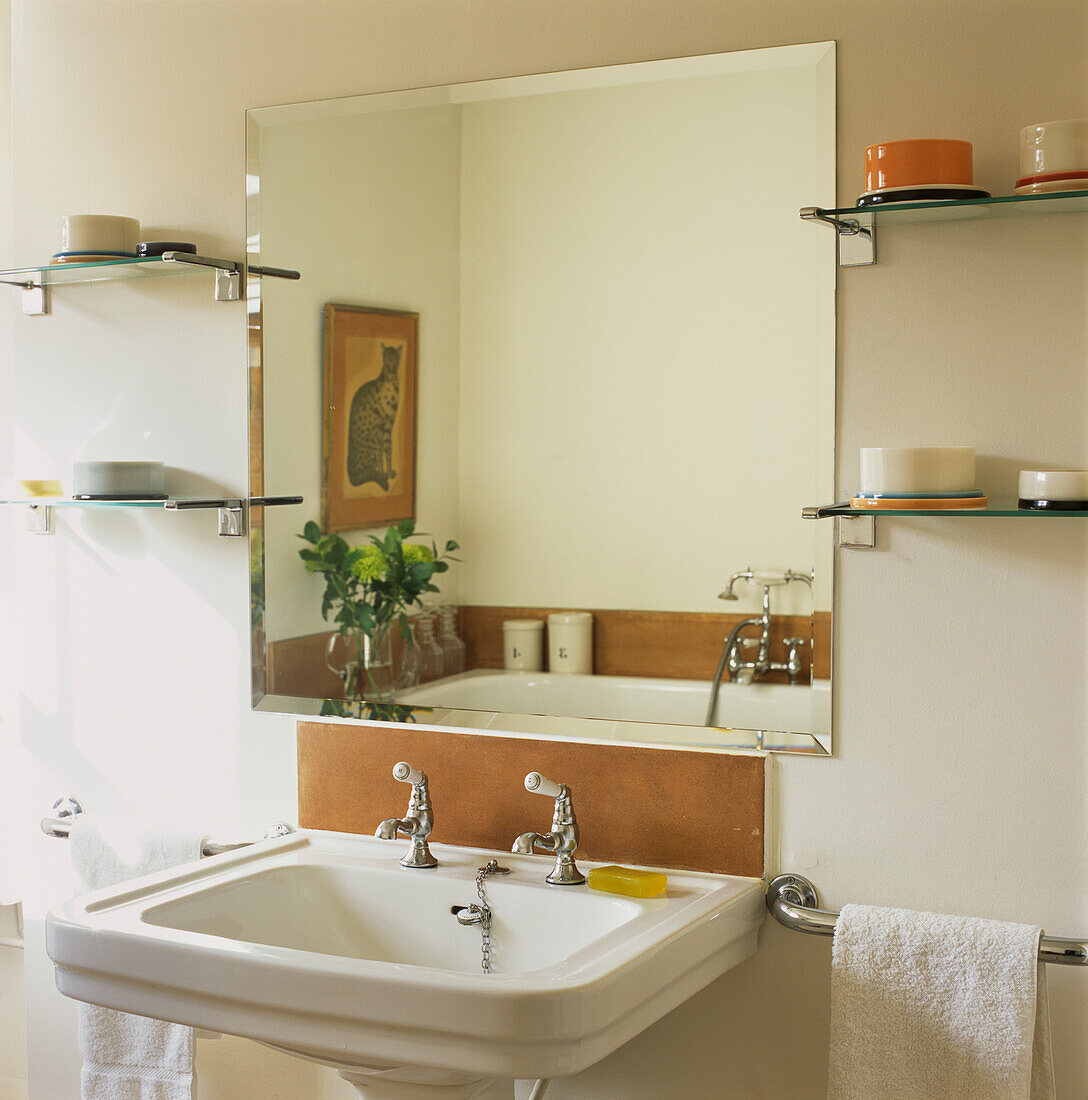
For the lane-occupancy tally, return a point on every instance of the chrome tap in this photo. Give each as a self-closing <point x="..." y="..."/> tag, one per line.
<point x="740" y="670"/>
<point x="562" y="840"/>
<point x="419" y="822"/>
<point x="794" y="667"/>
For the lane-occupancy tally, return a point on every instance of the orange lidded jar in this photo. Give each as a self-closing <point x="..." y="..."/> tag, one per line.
<point x="924" y="162"/>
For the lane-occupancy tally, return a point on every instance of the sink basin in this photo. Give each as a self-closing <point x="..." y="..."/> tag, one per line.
<point x="322" y="945"/>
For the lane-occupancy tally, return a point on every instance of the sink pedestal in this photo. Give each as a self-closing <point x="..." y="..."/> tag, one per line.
<point x="414" y="1083"/>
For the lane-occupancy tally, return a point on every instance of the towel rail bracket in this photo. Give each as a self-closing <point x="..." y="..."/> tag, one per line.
<point x="59" y="824"/>
<point x="793" y="900"/>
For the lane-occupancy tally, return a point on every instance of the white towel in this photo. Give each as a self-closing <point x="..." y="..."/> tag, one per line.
<point x="925" y="1006"/>
<point x="128" y="1057"/>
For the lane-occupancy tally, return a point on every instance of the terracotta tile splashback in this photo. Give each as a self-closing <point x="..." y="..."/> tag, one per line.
<point x="699" y="811"/>
<point x="675" y="644"/>
<point x="625" y="643"/>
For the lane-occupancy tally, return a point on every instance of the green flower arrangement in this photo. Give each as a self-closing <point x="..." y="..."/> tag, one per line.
<point x="370" y="588"/>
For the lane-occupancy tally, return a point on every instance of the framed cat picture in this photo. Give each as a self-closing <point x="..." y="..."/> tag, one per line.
<point x="369" y="434"/>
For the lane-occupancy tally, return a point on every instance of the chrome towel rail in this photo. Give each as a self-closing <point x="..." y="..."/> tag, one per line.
<point x="793" y="901"/>
<point x="59" y="824"/>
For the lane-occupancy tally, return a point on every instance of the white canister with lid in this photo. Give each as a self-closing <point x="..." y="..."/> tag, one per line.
<point x="523" y="644"/>
<point x="570" y="642"/>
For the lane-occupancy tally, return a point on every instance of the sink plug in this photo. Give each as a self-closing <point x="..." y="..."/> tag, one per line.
<point x="417" y="824"/>
<point x="468" y="915"/>
<point x="563" y="839"/>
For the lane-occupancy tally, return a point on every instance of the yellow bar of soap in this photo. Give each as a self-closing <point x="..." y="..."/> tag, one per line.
<point x="626" y="880"/>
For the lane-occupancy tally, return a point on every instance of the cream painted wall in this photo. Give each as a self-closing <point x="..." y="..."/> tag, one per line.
<point x="959" y="777"/>
<point x="379" y="226"/>
<point x="662" y="354"/>
<point x="12" y="1000"/>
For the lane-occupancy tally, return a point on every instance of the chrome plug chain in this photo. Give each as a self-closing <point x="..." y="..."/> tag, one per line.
<point x="481" y="914"/>
<point x="492" y="868"/>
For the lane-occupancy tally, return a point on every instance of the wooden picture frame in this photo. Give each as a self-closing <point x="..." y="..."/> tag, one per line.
<point x="368" y="474"/>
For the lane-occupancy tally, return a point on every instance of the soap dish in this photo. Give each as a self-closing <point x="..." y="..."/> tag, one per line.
<point x="919" y="504"/>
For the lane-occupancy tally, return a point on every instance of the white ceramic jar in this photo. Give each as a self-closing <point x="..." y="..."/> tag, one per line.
<point x="570" y="642"/>
<point x="917" y="469"/>
<point x="523" y="644"/>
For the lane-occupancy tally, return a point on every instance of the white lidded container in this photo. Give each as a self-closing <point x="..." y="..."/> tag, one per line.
<point x="1053" y="488"/>
<point x="917" y="469"/>
<point x="523" y="644"/>
<point x="570" y="642"/>
<point x="119" y="480"/>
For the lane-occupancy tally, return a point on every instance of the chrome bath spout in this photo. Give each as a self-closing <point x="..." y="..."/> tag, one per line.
<point x="727" y="649"/>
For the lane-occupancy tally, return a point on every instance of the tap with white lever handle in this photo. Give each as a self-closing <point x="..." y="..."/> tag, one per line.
<point x="419" y="820"/>
<point x="563" y="838"/>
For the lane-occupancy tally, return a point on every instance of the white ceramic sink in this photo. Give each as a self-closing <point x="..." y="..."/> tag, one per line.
<point x="321" y="944"/>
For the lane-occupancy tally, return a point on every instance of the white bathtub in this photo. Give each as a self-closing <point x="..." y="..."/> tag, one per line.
<point x="510" y="695"/>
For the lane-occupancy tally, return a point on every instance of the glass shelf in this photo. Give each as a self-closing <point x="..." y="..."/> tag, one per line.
<point x="71" y="502"/>
<point x="232" y="510"/>
<point x="998" y="508"/>
<point x="35" y="282"/>
<point x="1002" y="206"/>
<point x="856" y="226"/>
<point x="97" y="272"/>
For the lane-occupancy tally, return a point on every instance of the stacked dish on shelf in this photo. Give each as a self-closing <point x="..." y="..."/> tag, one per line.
<point x="918" y="479"/>
<point x="118" y="480"/>
<point x="919" y="171"/>
<point x="1053" y="157"/>
<point x="85" y="238"/>
<point x="90" y="238"/>
<point x="1053" y="490"/>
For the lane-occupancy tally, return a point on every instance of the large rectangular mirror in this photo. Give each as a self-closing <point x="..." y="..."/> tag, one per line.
<point x="572" y="323"/>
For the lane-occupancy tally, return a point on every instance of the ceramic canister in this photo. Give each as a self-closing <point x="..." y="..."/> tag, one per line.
<point x="917" y="469"/>
<point x="119" y="480"/>
<point x="925" y="162"/>
<point x="523" y="644"/>
<point x="99" y="233"/>
<point x="1057" y="485"/>
<point x="1050" y="150"/>
<point x="570" y="642"/>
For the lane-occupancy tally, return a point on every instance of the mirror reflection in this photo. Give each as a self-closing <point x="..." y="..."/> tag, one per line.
<point x="556" y="382"/>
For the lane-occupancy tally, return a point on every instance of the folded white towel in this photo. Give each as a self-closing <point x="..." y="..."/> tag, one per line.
<point x="925" y="1006"/>
<point x="128" y="1057"/>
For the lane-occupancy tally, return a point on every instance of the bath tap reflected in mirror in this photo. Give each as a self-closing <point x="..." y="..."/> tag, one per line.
<point x="745" y="672"/>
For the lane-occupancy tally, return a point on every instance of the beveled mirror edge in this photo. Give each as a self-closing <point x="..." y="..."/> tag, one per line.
<point x="819" y="743"/>
<point x="745" y="742"/>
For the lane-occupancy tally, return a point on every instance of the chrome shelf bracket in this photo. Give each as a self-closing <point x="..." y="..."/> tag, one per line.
<point x="856" y="235"/>
<point x="39" y="519"/>
<point x="232" y="514"/>
<point x="851" y="532"/>
<point x="228" y="273"/>
<point x="233" y="511"/>
<point x="233" y="521"/>
<point x="855" y="532"/>
<point x="34" y="298"/>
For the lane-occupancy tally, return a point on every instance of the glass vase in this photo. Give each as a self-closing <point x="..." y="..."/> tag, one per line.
<point x="368" y="671"/>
